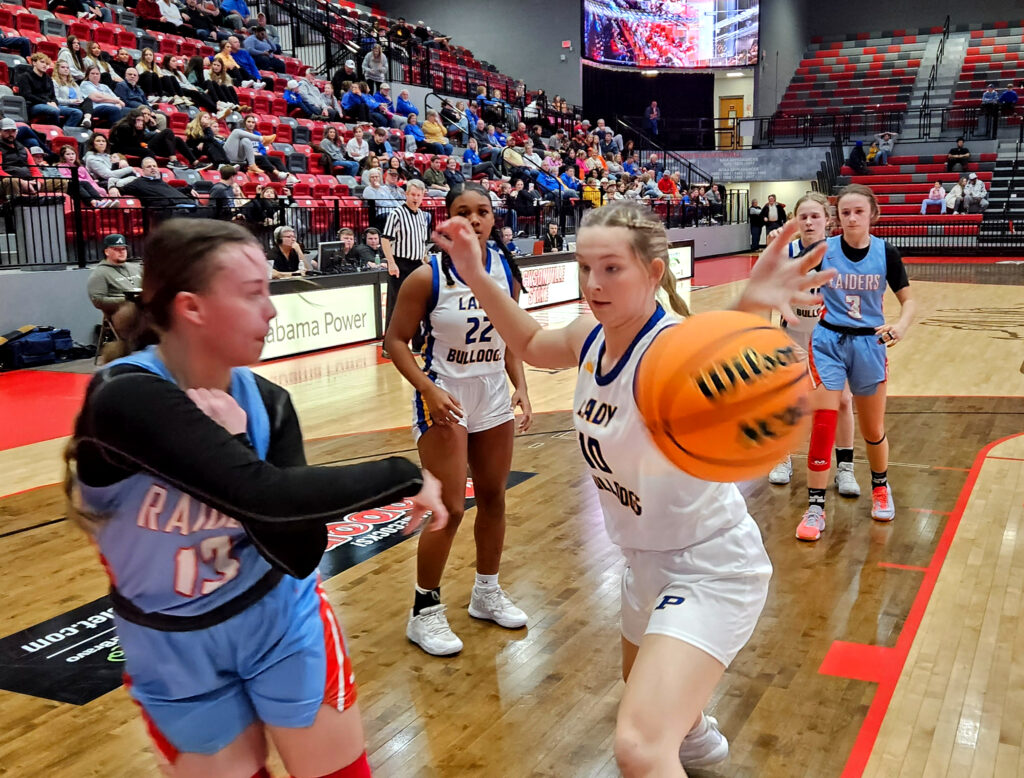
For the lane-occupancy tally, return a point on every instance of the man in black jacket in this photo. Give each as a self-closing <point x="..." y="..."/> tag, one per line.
<point x="154" y="192"/>
<point x="36" y="86"/>
<point x="773" y="214"/>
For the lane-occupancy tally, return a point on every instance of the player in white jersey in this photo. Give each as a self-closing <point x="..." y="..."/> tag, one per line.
<point x="697" y="573"/>
<point x="812" y="214"/>
<point x="462" y="415"/>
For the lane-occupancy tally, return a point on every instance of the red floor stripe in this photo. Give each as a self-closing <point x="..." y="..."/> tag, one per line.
<point x="37" y="405"/>
<point x="861" y="751"/>
<point x="896" y="566"/>
<point x="1009" y="459"/>
<point x="955" y="260"/>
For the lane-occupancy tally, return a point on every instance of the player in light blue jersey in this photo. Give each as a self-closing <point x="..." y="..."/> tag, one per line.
<point x="848" y="346"/>
<point x="188" y="472"/>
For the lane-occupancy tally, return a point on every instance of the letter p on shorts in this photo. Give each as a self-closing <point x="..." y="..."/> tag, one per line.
<point x="669" y="600"/>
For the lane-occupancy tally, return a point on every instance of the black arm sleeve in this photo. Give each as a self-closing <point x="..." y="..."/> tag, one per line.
<point x="895" y="270"/>
<point x="134" y="420"/>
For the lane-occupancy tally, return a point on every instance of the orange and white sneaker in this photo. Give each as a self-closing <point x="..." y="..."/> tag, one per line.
<point x="812" y="524"/>
<point x="882" y="506"/>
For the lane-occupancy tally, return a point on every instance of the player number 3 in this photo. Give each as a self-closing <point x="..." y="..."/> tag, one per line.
<point x="853" y="306"/>
<point x="215" y="551"/>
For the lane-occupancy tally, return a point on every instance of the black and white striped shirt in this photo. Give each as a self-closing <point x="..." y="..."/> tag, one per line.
<point x="408" y="232"/>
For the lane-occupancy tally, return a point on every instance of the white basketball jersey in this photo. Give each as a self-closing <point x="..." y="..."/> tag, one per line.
<point x="648" y="503"/>
<point x="461" y="342"/>
<point x="809" y="316"/>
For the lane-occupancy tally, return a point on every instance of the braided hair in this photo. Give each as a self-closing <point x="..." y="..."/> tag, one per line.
<point x="495" y="236"/>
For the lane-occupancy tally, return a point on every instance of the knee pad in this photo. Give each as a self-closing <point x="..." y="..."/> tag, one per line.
<point x="823" y="436"/>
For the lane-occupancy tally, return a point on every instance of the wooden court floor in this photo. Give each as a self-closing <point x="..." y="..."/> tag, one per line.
<point x="883" y="650"/>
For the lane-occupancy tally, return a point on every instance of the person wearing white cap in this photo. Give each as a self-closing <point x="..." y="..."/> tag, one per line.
<point x="343" y="76"/>
<point x="295" y="100"/>
<point x="375" y="67"/>
<point x="387" y="107"/>
<point x="975" y="195"/>
<point x="313" y="97"/>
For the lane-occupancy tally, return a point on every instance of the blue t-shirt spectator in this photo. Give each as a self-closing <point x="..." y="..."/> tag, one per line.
<point x="236" y="6"/>
<point x="416" y="131"/>
<point x="570" y="181"/>
<point x="546" y="183"/>
<point x="246" y="63"/>
<point x="350" y="100"/>
<point x="404" y="107"/>
<point x="1009" y="97"/>
<point x="471" y="157"/>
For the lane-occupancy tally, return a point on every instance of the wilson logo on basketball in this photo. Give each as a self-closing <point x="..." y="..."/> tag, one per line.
<point x="757" y="432"/>
<point x="746" y="367"/>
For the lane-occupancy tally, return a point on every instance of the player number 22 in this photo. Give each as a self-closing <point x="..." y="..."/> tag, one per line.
<point x="215" y="551"/>
<point x="474" y="325"/>
<point x="853" y="306"/>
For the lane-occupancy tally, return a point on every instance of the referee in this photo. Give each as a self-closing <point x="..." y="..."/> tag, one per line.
<point x="405" y="244"/>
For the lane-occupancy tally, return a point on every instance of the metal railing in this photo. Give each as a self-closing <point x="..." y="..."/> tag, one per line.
<point x="825" y="180"/>
<point x="647" y="147"/>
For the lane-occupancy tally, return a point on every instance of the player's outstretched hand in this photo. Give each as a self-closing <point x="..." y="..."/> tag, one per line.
<point x="428" y="501"/>
<point x="458" y="240"/>
<point x="778" y="283"/>
<point x="221" y="407"/>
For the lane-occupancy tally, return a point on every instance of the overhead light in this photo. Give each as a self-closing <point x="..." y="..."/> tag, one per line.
<point x="648" y="72"/>
<point x="735" y="74"/>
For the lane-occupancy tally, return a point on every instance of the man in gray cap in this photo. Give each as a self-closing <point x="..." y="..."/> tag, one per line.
<point x="114" y="276"/>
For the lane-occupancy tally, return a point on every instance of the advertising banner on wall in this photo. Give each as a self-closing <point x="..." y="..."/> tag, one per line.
<point x="550" y="284"/>
<point x="322" y="318"/>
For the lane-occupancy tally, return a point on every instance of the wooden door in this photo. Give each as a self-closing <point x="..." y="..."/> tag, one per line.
<point x="730" y="111"/>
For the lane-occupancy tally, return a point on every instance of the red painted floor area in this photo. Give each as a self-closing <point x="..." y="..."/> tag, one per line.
<point x="722" y="270"/>
<point x="37" y="405"/>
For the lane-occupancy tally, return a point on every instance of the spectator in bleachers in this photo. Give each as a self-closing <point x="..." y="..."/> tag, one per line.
<point x="296" y="103"/>
<point x="87" y="191"/>
<point x="220" y="86"/>
<point x="384" y="196"/>
<point x="517" y="139"/>
<point x="175" y="21"/>
<point x="201" y="136"/>
<point x="990" y="109"/>
<point x="265" y="209"/>
<point x="375" y="68"/>
<point x="236" y="14"/>
<point x="74" y="56"/>
<point x="150" y="16"/>
<point x="774" y="215"/>
<point x="404" y="107"/>
<point x="1008" y="100"/>
<point x="886" y="143"/>
<point x="367" y="166"/>
<point x="262" y="51"/>
<point x="174" y="70"/>
<point x="553" y="240"/>
<point x="334" y="154"/>
<point x="129" y="91"/>
<point x="357" y="148"/>
<point x="975" y="195"/>
<point x="17" y="162"/>
<point x="205" y="20"/>
<point x="154" y="192"/>
<point x="111" y="171"/>
<point x="669" y="185"/>
<point x="94" y="56"/>
<point x="404" y="170"/>
<point x="472" y="156"/>
<point x="936" y="196"/>
<point x="496" y="137"/>
<point x="378" y="143"/>
<point x="36" y="87"/>
<point x="151" y="77"/>
<point x="387" y="108"/>
<point x="958" y="156"/>
<point x="67" y="91"/>
<point x="122" y="61"/>
<point x="114" y="276"/>
<point x="453" y="175"/>
<point x="434" y="178"/>
<point x="16" y="42"/>
<point x="331" y="101"/>
<point x="224" y="193"/>
<point x="955" y="198"/>
<point x="245" y="61"/>
<point x="858" y="159"/>
<point x="309" y="92"/>
<point x="272" y="34"/>
<point x="453" y="119"/>
<point x="354" y="106"/>
<point x="568" y="178"/>
<point x="508" y="239"/>
<point x="136" y="135"/>
<point x="105" y="104"/>
<point x="87" y="10"/>
<point x="400" y="34"/>
<point x="245" y="146"/>
<point x="436" y="139"/>
<point x="523" y="199"/>
<point x="413" y="129"/>
<point x="344" y="76"/>
<point x="615" y="168"/>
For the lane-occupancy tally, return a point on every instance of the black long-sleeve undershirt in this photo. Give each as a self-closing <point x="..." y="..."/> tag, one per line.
<point x="135" y="421"/>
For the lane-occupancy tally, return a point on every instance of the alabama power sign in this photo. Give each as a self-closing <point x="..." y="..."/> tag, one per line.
<point x="75" y="657"/>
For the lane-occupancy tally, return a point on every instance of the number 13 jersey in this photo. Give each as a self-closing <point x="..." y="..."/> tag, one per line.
<point x="648" y="503"/>
<point x="461" y="343"/>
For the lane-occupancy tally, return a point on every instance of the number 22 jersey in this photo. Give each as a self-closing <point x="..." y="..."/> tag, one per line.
<point x="648" y="503"/>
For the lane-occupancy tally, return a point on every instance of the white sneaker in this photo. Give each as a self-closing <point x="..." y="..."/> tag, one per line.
<point x="494" y="605"/>
<point x="782" y="473"/>
<point x="430" y="631"/>
<point x="846" y="482"/>
<point x="704" y="745"/>
<point x="882" y="506"/>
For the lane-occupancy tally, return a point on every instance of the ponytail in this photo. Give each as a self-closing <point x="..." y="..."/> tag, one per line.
<point x="134" y="329"/>
<point x="668" y="286"/>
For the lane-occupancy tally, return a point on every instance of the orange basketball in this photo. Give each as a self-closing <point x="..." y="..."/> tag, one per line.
<point x="724" y="395"/>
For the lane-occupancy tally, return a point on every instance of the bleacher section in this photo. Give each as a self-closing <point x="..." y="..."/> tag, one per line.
<point x="871" y="73"/>
<point x="995" y="55"/>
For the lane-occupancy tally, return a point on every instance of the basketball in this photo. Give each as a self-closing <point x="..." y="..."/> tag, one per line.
<point x="724" y="395"/>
